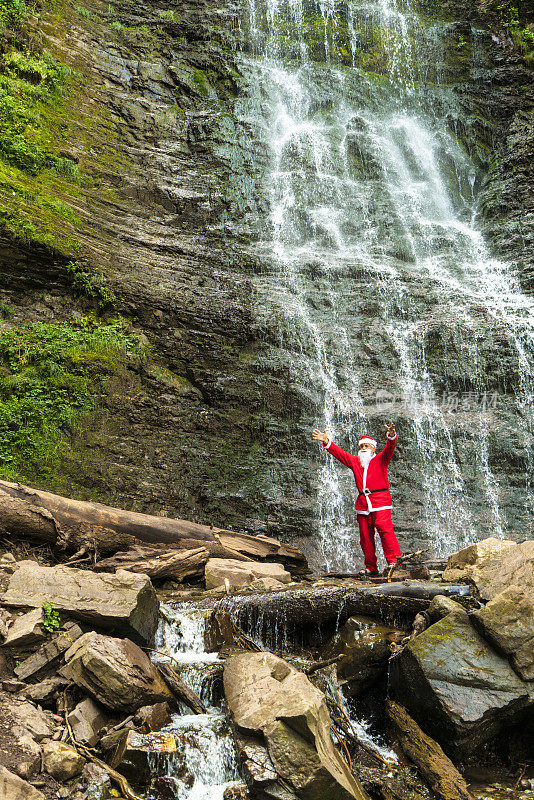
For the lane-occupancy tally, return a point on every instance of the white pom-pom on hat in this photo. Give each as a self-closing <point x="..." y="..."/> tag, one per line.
<point x="367" y="440"/>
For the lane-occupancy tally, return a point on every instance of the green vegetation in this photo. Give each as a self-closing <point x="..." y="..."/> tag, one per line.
<point x="51" y="620"/>
<point x="90" y="284"/>
<point x="52" y="377"/>
<point x="13" y="14"/>
<point x="33" y="172"/>
<point x="43" y="117"/>
<point x="168" y="14"/>
<point x="517" y="18"/>
<point x="26" y="84"/>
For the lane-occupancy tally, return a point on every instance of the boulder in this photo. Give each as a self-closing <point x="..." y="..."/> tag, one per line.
<point x="87" y="720"/>
<point x="442" y="605"/>
<point x="49" y="652"/>
<point x="62" y="761"/>
<point x="124" y="603"/>
<point x="153" y="718"/>
<point x="492" y="565"/>
<point x="14" y="788"/>
<point x="455" y="686"/>
<point x="507" y="622"/>
<point x="44" y="692"/>
<point x="142" y="756"/>
<point x="241" y="573"/>
<point x="267" y="695"/>
<point x="363" y="647"/>
<point x="26" y="629"/>
<point x="29" y="721"/>
<point x="116" y="672"/>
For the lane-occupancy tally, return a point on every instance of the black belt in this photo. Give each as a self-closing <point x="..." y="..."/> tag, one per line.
<point x="370" y="491"/>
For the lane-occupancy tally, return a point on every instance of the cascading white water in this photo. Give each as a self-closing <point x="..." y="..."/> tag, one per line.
<point x="206" y="762"/>
<point x="360" y="728"/>
<point x="371" y="201"/>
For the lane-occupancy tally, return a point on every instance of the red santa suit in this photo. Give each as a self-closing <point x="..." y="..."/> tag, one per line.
<point x="373" y="504"/>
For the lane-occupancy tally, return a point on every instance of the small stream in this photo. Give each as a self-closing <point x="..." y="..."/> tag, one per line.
<point x="205" y="766"/>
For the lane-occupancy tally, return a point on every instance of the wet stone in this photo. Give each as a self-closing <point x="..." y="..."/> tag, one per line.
<point x="144" y="755"/>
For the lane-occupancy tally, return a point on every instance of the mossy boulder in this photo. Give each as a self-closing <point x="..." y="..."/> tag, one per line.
<point x="456" y="686"/>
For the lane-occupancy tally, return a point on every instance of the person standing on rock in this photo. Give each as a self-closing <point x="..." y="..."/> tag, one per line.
<point x="374" y="503"/>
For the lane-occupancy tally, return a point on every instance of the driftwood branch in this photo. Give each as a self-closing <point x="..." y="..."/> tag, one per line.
<point x="437" y="769"/>
<point x="180" y="690"/>
<point x="157" y="563"/>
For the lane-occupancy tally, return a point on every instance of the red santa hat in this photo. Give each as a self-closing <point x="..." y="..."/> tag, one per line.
<point x="367" y="440"/>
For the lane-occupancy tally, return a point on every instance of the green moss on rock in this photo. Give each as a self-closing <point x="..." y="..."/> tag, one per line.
<point x="52" y="377"/>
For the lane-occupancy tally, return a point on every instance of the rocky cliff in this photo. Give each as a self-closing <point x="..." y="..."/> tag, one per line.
<point x="133" y="184"/>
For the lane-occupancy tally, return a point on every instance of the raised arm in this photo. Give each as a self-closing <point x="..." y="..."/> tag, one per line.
<point x="337" y="452"/>
<point x="391" y="441"/>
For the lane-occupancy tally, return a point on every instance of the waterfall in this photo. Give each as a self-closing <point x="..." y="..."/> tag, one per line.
<point x="384" y="296"/>
<point x="205" y="765"/>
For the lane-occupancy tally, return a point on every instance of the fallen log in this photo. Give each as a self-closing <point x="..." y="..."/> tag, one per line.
<point x="310" y="607"/>
<point x="425" y="590"/>
<point x="82" y="525"/>
<point x="158" y="564"/>
<point x="437" y="769"/>
<point x="180" y="690"/>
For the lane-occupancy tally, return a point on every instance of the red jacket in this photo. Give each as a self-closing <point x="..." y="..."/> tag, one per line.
<point x="373" y="477"/>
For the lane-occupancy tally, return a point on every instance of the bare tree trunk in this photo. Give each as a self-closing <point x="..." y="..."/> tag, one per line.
<point x="76" y="524"/>
<point x="157" y="563"/>
<point x="437" y="769"/>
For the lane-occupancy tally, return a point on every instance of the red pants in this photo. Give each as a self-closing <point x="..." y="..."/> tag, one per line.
<point x="380" y="521"/>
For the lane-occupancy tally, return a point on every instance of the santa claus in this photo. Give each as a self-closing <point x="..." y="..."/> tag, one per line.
<point x="373" y="504"/>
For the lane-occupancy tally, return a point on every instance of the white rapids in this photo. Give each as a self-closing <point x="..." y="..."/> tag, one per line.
<point x="205" y="765"/>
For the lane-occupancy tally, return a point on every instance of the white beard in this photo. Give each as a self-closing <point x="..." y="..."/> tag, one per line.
<point x="365" y="456"/>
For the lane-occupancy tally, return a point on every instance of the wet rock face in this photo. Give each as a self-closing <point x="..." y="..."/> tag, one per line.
<point x="363" y="648"/>
<point x="218" y="429"/>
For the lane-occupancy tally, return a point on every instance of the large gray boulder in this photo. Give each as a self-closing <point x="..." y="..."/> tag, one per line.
<point x="124" y="602"/>
<point x="493" y="565"/>
<point x="507" y="622"/>
<point x="455" y="685"/>
<point x="267" y="695"/>
<point x="116" y="672"/>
